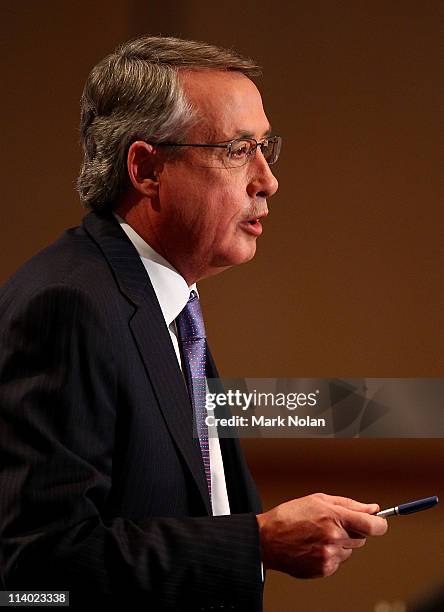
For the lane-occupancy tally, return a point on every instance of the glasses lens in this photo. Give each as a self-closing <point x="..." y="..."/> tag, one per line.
<point x="240" y="151"/>
<point x="271" y="149"/>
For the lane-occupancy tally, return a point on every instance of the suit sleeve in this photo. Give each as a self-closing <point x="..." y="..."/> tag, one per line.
<point x="57" y="422"/>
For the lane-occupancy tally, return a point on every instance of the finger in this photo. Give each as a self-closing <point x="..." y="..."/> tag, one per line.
<point x="336" y="554"/>
<point x="344" y="554"/>
<point x="353" y="534"/>
<point x="362" y="523"/>
<point x="352" y="504"/>
<point x="352" y="542"/>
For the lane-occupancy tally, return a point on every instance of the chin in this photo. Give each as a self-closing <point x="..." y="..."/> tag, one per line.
<point x="238" y="256"/>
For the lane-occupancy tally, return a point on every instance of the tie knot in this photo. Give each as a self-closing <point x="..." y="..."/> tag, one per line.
<point x="190" y="321"/>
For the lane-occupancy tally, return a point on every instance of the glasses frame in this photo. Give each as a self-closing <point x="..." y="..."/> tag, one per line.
<point x="229" y="146"/>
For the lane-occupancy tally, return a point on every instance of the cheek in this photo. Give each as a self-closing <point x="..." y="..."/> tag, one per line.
<point x="213" y="209"/>
<point x="179" y="198"/>
<point x="208" y="204"/>
<point x="233" y="207"/>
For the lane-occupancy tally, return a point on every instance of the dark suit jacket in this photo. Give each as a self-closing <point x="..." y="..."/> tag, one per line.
<point x="102" y="488"/>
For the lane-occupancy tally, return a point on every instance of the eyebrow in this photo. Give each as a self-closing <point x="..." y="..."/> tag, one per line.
<point x="246" y="134"/>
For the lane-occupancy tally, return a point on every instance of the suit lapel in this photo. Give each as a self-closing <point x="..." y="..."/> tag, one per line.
<point x="152" y="339"/>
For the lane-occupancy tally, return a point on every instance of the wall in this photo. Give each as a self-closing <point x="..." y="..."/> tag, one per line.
<point x="347" y="279"/>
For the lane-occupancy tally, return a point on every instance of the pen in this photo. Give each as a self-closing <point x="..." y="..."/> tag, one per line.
<point x="410" y="507"/>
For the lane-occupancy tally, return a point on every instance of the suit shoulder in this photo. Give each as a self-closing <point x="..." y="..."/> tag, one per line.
<point x="73" y="259"/>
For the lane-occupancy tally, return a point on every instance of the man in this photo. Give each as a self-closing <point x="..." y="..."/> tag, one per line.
<point x="104" y="490"/>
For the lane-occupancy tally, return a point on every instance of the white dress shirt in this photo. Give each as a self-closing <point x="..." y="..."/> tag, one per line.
<point x="173" y="293"/>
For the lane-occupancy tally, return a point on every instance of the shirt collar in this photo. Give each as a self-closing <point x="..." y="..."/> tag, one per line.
<point x="169" y="286"/>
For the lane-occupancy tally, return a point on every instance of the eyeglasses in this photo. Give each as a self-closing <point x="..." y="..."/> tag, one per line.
<point x="240" y="150"/>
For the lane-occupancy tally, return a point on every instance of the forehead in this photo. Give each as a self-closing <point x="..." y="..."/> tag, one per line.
<point x="228" y="103"/>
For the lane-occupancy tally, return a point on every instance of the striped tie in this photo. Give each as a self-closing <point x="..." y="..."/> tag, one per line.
<point x="191" y="331"/>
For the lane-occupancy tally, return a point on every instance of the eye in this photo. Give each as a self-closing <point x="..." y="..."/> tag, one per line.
<point x="240" y="149"/>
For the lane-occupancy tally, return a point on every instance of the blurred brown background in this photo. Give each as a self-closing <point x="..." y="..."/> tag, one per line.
<point x="348" y="276"/>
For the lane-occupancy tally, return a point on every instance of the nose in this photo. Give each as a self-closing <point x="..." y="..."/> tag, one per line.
<point x="262" y="182"/>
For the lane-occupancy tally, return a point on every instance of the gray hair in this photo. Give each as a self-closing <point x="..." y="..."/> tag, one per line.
<point x="133" y="94"/>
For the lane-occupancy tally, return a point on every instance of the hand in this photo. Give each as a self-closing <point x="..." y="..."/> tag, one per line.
<point x="311" y="536"/>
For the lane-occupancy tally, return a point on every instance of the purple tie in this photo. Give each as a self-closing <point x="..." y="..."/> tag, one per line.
<point x="191" y="331"/>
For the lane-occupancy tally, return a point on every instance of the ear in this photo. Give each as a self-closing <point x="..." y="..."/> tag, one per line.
<point x="143" y="166"/>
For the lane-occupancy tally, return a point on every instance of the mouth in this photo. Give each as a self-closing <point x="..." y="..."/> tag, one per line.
<point x="252" y="225"/>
